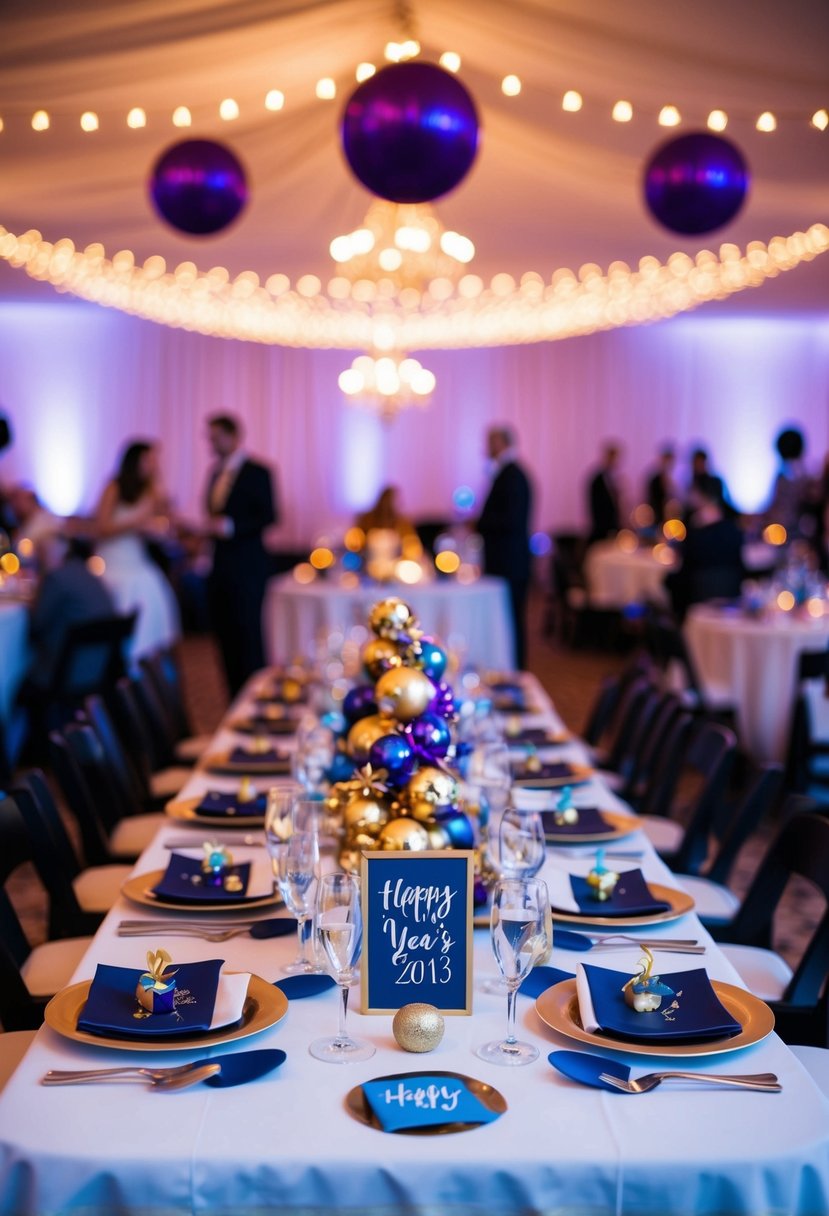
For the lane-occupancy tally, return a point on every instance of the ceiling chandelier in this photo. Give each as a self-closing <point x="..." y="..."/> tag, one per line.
<point x="387" y="383"/>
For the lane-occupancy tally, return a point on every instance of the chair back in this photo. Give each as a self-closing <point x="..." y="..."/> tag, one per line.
<point x="646" y="759"/>
<point x="131" y="724"/>
<point x="165" y="674"/>
<point x="812" y="665"/>
<point x="91" y="658"/>
<point x="127" y="770"/>
<point x="637" y="701"/>
<point x="160" y="721"/>
<point x="731" y="830"/>
<point x="708" y="761"/>
<point x="18" y="1009"/>
<point x="70" y="776"/>
<point x="660" y="785"/>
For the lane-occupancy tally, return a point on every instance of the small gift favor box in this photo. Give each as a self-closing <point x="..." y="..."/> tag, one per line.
<point x="156" y="989"/>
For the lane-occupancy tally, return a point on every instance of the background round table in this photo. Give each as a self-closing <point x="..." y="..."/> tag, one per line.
<point x="617" y="577"/>
<point x="754" y="661"/>
<point x="473" y="619"/>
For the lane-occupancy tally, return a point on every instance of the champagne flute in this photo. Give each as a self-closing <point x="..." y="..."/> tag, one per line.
<point x="519" y="930"/>
<point x="297" y="870"/>
<point x="340" y="932"/>
<point x="522" y="846"/>
<point x="314" y="755"/>
<point x="278" y="820"/>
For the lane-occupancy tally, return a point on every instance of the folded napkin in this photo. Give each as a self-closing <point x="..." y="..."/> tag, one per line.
<point x="424" y="1101"/>
<point x="271" y="759"/>
<point x="591" y="822"/>
<point x="542" y="978"/>
<point x="297" y="987"/>
<point x="551" y="770"/>
<point x="694" y="1012"/>
<point x="631" y="896"/>
<point x="214" y="803"/>
<point x="266" y="726"/>
<point x="538" y="736"/>
<point x="184" y="882"/>
<point x="205" y="1000"/>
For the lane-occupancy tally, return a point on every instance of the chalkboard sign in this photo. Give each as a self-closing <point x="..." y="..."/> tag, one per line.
<point x="417" y="930"/>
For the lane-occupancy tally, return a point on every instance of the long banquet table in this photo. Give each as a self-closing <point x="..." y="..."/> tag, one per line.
<point x="287" y="1143"/>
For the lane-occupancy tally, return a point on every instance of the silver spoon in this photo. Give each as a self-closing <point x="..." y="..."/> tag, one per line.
<point x="161" y="1078"/>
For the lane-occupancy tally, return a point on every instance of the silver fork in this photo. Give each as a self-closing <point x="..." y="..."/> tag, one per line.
<point x="207" y="935"/>
<point x="766" y="1082"/>
<point x="679" y="945"/>
<point x="163" y="1078"/>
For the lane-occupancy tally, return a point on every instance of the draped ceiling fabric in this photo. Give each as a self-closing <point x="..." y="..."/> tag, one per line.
<point x="549" y="190"/>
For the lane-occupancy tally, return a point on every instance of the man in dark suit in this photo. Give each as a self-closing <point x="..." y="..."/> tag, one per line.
<point x="240" y="506"/>
<point x="603" y="497"/>
<point x="504" y="528"/>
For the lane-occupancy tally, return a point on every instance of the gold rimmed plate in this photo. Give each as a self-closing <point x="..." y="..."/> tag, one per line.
<point x="358" y="1106"/>
<point x="619" y="825"/>
<point x="253" y="765"/>
<point x="577" y="774"/>
<point x="558" y="1008"/>
<point x="187" y="809"/>
<point x="139" y="889"/>
<point x="264" y="1006"/>
<point x="264" y="726"/>
<point x="678" y="904"/>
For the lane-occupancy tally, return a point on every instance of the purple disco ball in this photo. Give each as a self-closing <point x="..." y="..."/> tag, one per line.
<point x="410" y="132"/>
<point x="696" y="183"/>
<point x="198" y="186"/>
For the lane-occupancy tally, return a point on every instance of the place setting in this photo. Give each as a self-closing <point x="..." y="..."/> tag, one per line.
<point x="244" y="807"/>
<point x="567" y="823"/>
<point x="207" y="880"/>
<point x="259" y="758"/>
<point x="604" y="896"/>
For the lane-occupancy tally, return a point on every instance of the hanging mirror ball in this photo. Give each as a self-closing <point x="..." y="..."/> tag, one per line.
<point x="410" y="132"/>
<point x="696" y="183"/>
<point x="198" y="186"/>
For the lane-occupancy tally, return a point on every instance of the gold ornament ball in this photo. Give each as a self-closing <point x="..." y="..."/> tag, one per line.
<point x="418" y="1027"/>
<point x="379" y="655"/>
<point x="429" y="788"/>
<point x="404" y="835"/>
<point x="439" y="838"/>
<point x="366" y="815"/>
<point x="365" y="732"/>
<point x="405" y="692"/>
<point x="350" y="860"/>
<point x="391" y="617"/>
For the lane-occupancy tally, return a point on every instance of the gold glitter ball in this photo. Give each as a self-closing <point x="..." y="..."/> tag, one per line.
<point x="418" y="1027"/>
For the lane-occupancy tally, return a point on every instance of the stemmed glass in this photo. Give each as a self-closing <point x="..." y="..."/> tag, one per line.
<point x="297" y="872"/>
<point x="522" y="846"/>
<point x="340" y="932"/>
<point x="314" y="754"/>
<point x="519" y="930"/>
<point x="278" y="820"/>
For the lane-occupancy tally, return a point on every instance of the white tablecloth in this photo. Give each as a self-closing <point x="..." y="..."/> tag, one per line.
<point x="616" y="577"/>
<point x="286" y="1142"/>
<point x="753" y="663"/>
<point x="474" y="615"/>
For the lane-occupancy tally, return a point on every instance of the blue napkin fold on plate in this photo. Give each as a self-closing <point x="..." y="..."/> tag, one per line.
<point x="547" y="772"/>
<point x="112" y="1004"/>
<point x="591" y="822"/>
<point x="424" y="1101"/>
<point x="178" y="883"/>
<point x="296" y="987"/>
<point x="229" y="805"/>
<point x="630" y="897"/>
<point x="538" y="736"/>
<point x="271" y="758"/>
<point x="694" y="1012"/>
<point x="542" y="978"/>
<point x="267" y="726"/>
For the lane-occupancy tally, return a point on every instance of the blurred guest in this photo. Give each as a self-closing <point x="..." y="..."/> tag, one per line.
<point x="711" y="555"/>
<point x="661" y="491"/>
<point x="704" y="485"/>
<point x="240" y="505"/>
<point x="793" y="490"/>
<point x="603" y="496"/>
<point x="504" y="527"/>
<point x="386" y="515"/>
<point x="130" y="512"/>
<point x="31" y="518"/>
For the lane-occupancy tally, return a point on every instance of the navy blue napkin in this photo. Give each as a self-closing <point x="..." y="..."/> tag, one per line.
<point x="591" y="822"/>
<point x="244" y="1066"/>
<point x="423" y="1100"/>
<point x="551" y="771"/>
<point x="537" y="736"/>
<point x="183" y="882"/>
<point x="295" y="987"/>
<point x="694" y="1012"/>
<point x="228" y="804"/>
<point x="271" y="760"/>
<point x="266" y="726"/>
<point x="630" y="897"/>
<point x="542" y="978"/>
<point x="112" y="1004"/>
<point x="586" y="1069"/>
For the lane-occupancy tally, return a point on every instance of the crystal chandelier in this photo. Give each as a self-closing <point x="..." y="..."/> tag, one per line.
<point x="387" y="383"/>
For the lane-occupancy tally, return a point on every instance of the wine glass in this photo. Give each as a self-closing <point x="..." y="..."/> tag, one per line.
<point x="278" y="820"/>
<point x="314" y="754"/>
<point x="521" y="844"/>
<point x="297" y="871"/>
<point x="519" y="930"/>
<point x="340" y="932"/>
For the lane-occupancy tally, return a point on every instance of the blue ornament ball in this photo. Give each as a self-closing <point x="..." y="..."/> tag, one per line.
<point x="696" y="183"/>
<point x="430" y="736"/>
<point x="458" y="828"/>
<point x="433" y="658"/>
<point x="198" y="186"/>
<point x="394" y="754"/>
<point x="410" y="132"/>
<point x="341" y="767"/>
<point x="359" y="702"/>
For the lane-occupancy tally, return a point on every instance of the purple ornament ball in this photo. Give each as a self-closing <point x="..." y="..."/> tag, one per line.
<point x="458" y="827"/>
<point x="359" y="702"/>
<point x="393" y="753"/>
<point x="430" y="736"/>
<point x="410" y="132"/>
<point x="433" y="658"/>
<point x="696" y="183"/>
<point x="198" y="186"/>
<point x="443" y="702"/>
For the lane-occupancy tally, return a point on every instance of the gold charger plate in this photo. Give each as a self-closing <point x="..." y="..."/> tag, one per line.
<point x="185" y="808"/>
<point x="278" y="727"/>
<point x="577" y="774"/>
<point x="621" y="825"/>
<point x="558" y="1008"/>
<point x="264" y="1007"/>
<point x="357" y="1105"/>
<point x="221" y="764"/>
<point x="679" y="902"/>
<point x="139" y="890"/>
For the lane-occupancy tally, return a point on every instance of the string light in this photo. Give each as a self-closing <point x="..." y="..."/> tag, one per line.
<point x="669" y="116"/>
<point x="511" y="86"/>
<point x="229" y="109"/>
<point x="766" y="122"/>
<point x="136" y="118"/>
<point x="572" y="101"/>
<point x="364" y="71"/>
<point x="717" y="120"/>
<point x="89" y="121"/>
<point x="326" y="89"/>
<point x="820" y="119"/>
<point x="274" y="100"/>
<point x="622" y="111"/>
<point x="40" y="121"/>
<point x="182" y="117"/>
<point x="505" y="313"/>
<point x="450" y="60"/>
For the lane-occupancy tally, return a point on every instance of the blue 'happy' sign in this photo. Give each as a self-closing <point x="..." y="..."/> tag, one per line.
<point x="417" y="930"/>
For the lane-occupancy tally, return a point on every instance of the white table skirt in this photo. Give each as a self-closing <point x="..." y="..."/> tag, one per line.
<point x="285" y="1142"/>
<point x="616" y="578"/>
<point x="753" y="662"/>
<point x="475" y="615"/>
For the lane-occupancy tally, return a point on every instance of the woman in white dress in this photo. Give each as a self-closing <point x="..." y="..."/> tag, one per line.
<point x="124" y="520"/>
